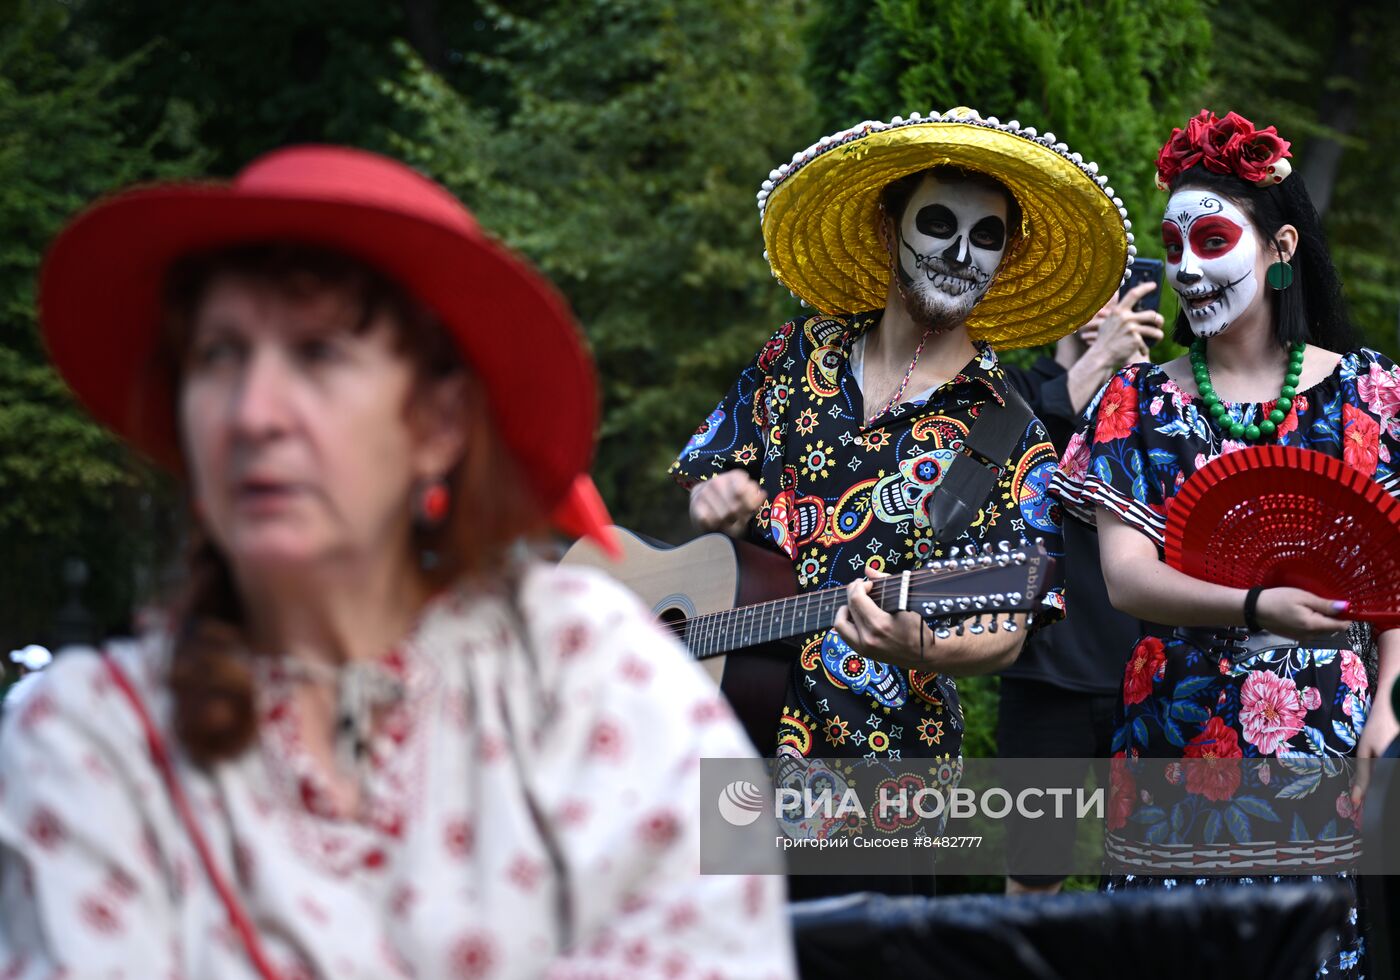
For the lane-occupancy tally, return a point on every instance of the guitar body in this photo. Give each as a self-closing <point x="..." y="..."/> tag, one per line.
<point x="724" y="595"/>
<point x="711" y="574"/>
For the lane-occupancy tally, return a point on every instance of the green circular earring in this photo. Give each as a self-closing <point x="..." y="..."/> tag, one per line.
<point x="1279" y="275"/>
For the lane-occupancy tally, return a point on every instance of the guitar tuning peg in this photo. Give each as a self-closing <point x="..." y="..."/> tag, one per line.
<point x="998" y="599"/>
<point x="1015" y="597"/>
<point x="987" y="548"/>
<point x="986" y="561"/>
<point x="959" y="628"/>
<point x="992" y="624"/>
<point x="1011" y="626"/>
<point x="1003" y="560"/>
<point x="1004" y="547"/>
<point x="947" y="605"/>
<point x="977" y="629"/>
<point x="964" y="603"/>
<point x="942" y="633"/>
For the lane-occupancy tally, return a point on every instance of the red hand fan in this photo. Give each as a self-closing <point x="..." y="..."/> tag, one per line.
<point x="1282" y="516"/>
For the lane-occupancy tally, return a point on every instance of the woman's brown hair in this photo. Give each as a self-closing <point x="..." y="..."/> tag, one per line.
<point x="211" y="676"/>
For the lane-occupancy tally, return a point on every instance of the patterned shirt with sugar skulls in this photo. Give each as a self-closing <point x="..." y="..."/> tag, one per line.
<point x="843" y="495"/>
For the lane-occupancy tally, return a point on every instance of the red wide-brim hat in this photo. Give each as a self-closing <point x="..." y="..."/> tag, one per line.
<point x="101" y="296"/>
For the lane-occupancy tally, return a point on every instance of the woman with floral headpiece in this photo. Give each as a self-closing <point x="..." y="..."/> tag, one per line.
<point x="1241" y="686"/>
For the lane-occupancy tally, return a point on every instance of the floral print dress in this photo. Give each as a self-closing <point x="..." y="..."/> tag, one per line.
<point x="532" y="810"/>
<point x="1295" y="712"/>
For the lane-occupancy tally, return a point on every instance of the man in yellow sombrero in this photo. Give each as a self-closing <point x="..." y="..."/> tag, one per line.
<point x="878" y="433"/>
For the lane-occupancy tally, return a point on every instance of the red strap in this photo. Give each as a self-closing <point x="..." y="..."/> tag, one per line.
<point x="237" y="916"/>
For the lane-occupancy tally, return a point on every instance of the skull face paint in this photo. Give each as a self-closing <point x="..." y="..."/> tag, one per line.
<point x="952" y="237"/>
<point x="1211" y="251"/>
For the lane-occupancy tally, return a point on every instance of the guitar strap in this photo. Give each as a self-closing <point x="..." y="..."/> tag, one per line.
<point x="973" y="475"/>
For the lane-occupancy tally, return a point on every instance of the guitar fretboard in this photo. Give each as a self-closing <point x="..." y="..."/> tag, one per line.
<point x="718" y="633"/>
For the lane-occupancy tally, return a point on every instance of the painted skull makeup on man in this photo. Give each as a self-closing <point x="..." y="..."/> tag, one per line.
<point x="1211" y="250"/>
<point x="952" y="236"/>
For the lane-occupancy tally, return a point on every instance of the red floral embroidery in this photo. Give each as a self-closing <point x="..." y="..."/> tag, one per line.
<point x="753" y="895"/>
<point x="573" y="640"/>
<point x="459" y="837"/>
<point x="1144" y="666"/>
<point x="682" y="917"/>
<point x="606" y="740"/>
<point x="473" y="957"/>
<point x="637" y="953"/>
<point x="636" y="670"/>
<point x="525" y="873"/>
<point x="46" y="829"/>
<point x="573" y="813"/>
<point x="120" y="884"/>
<point x="660" y="829"/>
<point x="709" y="711"/>
<point x="99" y="914"/>
<point x="36" y="711"/>
<point x="1117" y="411"/>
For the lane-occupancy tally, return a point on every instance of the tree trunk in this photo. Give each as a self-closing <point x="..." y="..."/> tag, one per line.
<point x="1336" y="108"/>
<point x="423" y="33"/>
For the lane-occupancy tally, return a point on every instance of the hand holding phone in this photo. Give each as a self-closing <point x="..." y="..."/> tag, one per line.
<point x="1145" y="270"/>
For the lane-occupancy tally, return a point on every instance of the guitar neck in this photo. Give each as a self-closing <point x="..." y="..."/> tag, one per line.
<point x="723" y="632"/>
<point x="948" y="591"/>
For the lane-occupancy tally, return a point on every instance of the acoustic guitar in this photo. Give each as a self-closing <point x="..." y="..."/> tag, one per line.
<point x="721" y="596"/>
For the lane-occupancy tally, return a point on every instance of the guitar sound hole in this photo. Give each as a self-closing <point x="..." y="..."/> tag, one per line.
<point x="672" y="616"/>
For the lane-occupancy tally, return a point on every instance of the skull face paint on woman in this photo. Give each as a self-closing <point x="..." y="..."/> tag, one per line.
<point x="1211" y="251"/>
<point x="952" y="237"/>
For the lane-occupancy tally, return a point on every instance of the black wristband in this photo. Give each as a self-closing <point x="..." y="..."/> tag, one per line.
<point x="1251" y="606"/>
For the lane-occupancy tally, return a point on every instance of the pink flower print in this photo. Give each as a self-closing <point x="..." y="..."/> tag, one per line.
<point x="1344" y="807"/>
<point x="1311" y="698"/>
<point x="1075" y="462"/>
<point x="1270" y="711"/>
<point x="1354" y="672"/>
<point x="1380" y="390"/>
<point x="1231" y="446"/>
<point x="1156" y="406"/>
<point x="1265" y="773"/>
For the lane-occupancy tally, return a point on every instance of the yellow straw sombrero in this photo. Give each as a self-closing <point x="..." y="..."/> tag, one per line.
<point x="821" y="217"/>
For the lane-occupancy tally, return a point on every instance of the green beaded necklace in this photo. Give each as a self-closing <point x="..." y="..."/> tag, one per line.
<point x="1266" y="428"/>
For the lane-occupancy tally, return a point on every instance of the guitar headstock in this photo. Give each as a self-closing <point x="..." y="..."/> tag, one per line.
<point x="982" y="583"/>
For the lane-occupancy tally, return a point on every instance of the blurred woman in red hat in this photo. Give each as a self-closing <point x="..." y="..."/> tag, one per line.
<point x="376" y="740"/>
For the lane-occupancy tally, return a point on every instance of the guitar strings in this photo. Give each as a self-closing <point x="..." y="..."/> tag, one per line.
<point x="682" y="628"/>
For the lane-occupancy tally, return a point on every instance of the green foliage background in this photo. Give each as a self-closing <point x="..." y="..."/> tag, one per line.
<point x="618" y="143"/>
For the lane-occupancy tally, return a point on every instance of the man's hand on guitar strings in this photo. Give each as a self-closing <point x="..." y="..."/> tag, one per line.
<point x="726" y="502"/>
<point x="903" y="639"/>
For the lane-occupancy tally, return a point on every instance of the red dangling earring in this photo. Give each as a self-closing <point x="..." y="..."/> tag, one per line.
<point x="434" y="499"/>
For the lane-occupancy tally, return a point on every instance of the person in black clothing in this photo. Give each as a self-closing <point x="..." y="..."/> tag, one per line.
<point x="1057" y="699"/>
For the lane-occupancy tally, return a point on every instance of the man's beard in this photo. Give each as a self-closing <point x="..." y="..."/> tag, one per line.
<point x="937" y="310"/>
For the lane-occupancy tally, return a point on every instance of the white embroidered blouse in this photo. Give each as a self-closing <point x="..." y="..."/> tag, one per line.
<point x="532" y="811"/>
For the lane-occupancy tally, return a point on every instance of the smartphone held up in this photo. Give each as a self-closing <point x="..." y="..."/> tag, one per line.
<point x="1145" y="270"/>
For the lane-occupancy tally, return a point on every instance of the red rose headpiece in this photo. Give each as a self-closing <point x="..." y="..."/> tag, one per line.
<point x="1225" y="146"/>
